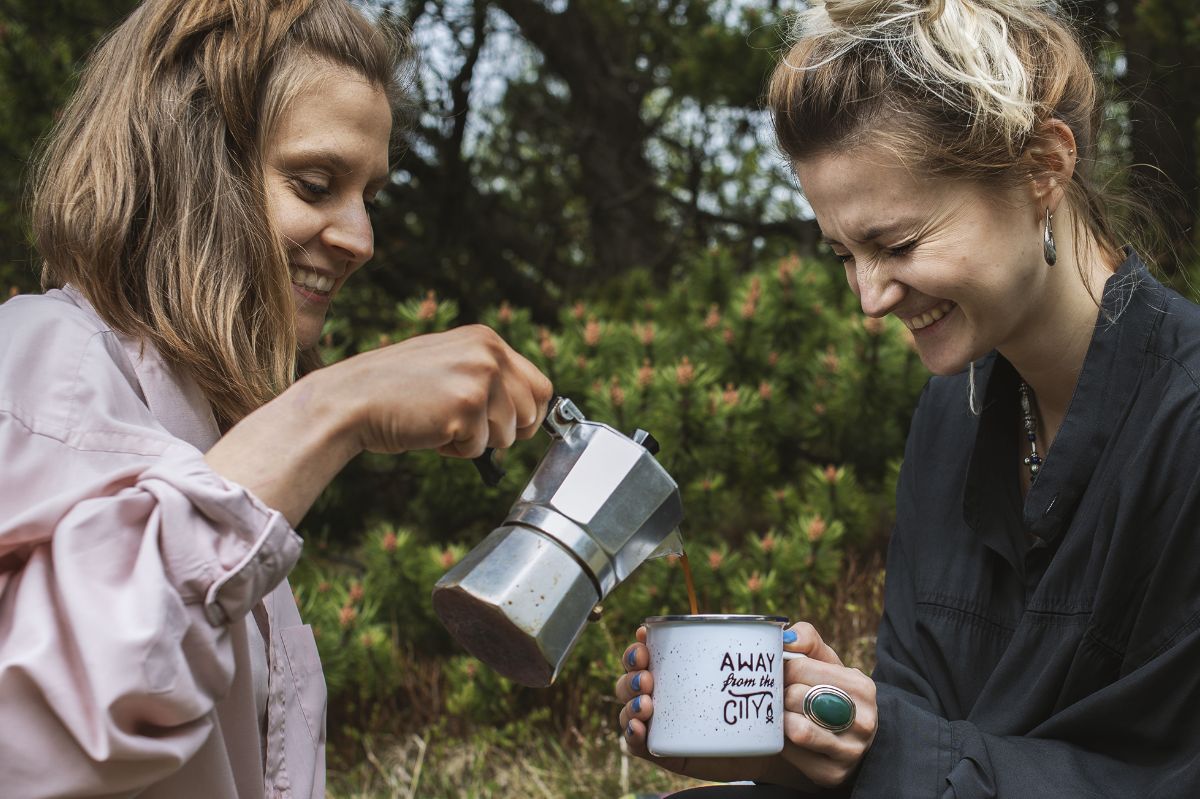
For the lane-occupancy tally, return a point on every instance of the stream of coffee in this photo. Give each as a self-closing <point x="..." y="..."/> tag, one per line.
<point x="691" y="587"/>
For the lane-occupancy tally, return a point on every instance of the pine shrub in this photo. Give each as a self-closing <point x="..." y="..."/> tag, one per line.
<point x="781" y="413"/>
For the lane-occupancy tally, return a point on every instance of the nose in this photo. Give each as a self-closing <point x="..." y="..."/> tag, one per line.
<point x="878" y="293"/>
<point x="350" y="232"/>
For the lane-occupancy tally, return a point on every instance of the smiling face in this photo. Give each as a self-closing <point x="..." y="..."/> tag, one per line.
<point x="959" y="264"/>
<point x="323" y="165"/>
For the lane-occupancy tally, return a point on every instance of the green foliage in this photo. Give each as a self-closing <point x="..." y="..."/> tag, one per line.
<point x="41" y="42"/>
<point x="780" y="413"/>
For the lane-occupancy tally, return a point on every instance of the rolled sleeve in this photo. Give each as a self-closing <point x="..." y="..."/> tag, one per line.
<point x="124" y="562"/>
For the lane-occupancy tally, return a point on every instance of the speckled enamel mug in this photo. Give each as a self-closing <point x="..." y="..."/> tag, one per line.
<point x="718" y="685"/>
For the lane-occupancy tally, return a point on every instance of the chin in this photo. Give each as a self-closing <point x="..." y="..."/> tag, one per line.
<point x="943" y="366"/>
<point x="308" y="334"/>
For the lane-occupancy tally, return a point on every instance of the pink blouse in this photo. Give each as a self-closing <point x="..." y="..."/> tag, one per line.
<point x="130" y="577"/>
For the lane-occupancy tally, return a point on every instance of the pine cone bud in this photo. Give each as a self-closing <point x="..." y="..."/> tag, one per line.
<point x="591" y="332"/>
<point x="645" y="374"/>
<point x="816" y="529"/>
<point x="685" y="373"/>
<point x="429" y="306"/>
<point x="616" y="394"/>
<point x="787" y="268"/>
<point x="546" y="344"/>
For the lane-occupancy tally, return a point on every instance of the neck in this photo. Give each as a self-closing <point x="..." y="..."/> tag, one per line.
<point x="1050" y="352"/>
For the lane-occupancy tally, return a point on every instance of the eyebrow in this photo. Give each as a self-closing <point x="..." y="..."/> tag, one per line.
<point x="874" y="233"/>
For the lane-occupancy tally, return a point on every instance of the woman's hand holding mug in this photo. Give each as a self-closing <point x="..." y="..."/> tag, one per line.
<point x="815" y="752"/>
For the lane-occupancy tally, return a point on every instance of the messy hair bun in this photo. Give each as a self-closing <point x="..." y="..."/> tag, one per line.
<point x="954" y="87"/>
<point x="958" y="49"/>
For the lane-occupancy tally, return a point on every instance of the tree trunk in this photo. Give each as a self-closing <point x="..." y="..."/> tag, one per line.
<point x="609" y="133"/>
<point x="1163" y="71"/>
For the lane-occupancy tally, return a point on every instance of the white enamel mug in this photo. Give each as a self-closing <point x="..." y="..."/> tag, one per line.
<point x="718" y="685"/>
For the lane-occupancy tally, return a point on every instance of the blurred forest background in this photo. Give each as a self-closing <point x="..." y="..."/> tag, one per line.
<point x="596" y="179"/>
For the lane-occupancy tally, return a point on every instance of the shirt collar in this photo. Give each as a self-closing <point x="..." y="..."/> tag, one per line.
<point x="1131" y="308"/>
<point x="173" y="397"/>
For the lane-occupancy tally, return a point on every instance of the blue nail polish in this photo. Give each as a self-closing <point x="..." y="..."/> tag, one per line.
<point x="637" y="704"/>
<point x="789" y="636"/>
<point x="629" y="730"/>
<point x="637" y="681"/>
<point x="631" y="658"/>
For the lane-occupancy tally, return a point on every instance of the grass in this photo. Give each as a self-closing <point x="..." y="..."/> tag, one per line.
<point x="575" y="766"/>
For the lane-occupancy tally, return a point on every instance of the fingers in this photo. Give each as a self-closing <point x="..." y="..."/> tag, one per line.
<point x="508" y="398"/>
<point x="633" y="690"/>
<point x="808" y="641"/>
<point x="502" y="414"/>
<point x="518" y="394"/>
<point x="636" y="656"/>
<point x="824" y="770"/>
<point x="826" y="757"/>
<point x="639" y="710"/>
<point x="530" y="405"/>
<point x="837" y="753"/>
<point x="635" y="683"/>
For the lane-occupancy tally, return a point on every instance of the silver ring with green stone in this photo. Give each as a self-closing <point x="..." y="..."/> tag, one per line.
<point x="830" y="707"/>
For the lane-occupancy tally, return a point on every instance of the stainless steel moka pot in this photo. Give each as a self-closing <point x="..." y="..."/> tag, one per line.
<point x="597" y="506"/>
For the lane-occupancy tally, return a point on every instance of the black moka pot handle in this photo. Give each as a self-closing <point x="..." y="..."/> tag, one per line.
<point x="491" y="472"/>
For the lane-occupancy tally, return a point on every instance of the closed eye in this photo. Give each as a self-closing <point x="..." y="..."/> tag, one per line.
<point x="900" y="250"/>
<point x="310" y="191"/>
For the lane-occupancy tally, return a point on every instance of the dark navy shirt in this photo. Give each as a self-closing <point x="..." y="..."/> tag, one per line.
<point x="1050" y="647"/>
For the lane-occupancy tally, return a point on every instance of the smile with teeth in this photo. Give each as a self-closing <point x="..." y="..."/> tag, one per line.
<point x="929" y="317"/>
<point x="310" y="280"/>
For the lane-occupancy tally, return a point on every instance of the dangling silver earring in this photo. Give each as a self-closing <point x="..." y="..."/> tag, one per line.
<point x="971" y="399"/>
<point x="1049" y="251"/>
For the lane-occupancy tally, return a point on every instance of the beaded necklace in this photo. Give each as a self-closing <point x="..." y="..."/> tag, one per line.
<point x="1032" y="460"/>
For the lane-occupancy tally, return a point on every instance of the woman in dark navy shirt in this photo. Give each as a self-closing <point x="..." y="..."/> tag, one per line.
<point x="1041" y="630"/>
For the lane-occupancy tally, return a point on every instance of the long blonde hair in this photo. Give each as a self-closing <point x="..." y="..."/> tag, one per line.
<point x="149" y="196"/>
<point x="958" y="88"/>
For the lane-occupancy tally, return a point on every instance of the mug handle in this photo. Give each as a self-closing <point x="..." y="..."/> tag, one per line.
<point x="793" y="655"/>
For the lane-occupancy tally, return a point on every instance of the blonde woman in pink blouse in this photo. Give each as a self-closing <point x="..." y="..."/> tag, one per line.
<point x="201" y="201"/>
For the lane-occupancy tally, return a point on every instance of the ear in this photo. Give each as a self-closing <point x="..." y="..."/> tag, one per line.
<point x="1050" y="161"/>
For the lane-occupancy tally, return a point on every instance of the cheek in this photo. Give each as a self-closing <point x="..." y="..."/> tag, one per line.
<point x="295" y="220"/>
<point x="852" y="278"/>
